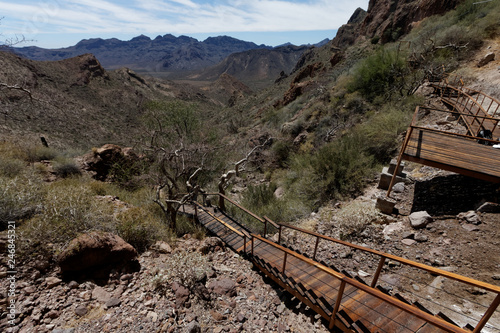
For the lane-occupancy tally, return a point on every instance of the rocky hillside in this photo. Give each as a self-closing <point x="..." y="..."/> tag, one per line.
<point x="387" y="20"/>
<point x="77" y="102"/>
<point x="256" y="68"/>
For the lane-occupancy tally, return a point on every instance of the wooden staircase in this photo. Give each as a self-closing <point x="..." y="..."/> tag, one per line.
<point x="347" y="304"/>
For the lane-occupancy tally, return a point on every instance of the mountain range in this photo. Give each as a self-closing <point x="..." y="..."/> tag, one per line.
<point x="180" y="57"/>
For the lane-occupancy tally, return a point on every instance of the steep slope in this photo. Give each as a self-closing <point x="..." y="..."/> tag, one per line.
<point x="256" y="68"/>
<point x="76" y="101"/>
<point x="387" y="20"/>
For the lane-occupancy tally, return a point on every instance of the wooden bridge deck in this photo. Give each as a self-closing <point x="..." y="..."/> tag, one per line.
<point x="315" y="284"/>
<point x="453" y="153"/>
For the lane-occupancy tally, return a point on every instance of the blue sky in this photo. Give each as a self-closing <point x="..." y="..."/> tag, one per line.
<point x="58" y="23"/>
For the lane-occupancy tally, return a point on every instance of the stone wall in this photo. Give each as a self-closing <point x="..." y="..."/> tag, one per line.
<point x="452" y="194"/>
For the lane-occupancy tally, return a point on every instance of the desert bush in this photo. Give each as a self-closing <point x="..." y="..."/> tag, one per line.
<point x="184" y="267"/>
<point x="342" y="167"/>
<point x="39" y="153"/>
<point x="379" y="74"/>
<point x="141" y="227"/>
<point x="382" y="130"/>
<point x="11" y="167"/>
<point x="68" y="208"/>
<point x="352" y="219"/>
<point x="67" y="169"/>
<point x="20" y="198"/>
<point x="281" y="152"/>
<point x="188" y="226"/>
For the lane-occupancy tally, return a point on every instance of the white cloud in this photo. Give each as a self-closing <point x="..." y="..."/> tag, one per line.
<point x="176" y="16"/>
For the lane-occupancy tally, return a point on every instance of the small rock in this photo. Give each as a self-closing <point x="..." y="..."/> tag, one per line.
<point x="489" y="207"/>
<point x="153" y="316"/>
<point x="486" y="59"/>
<point x="52" y="282"/>
<point x="496" y="277"/>
<point x="408" y="242"/>
<point x="419" y="220"/>
<point x="73" y="285"/>
<point x="408" y="234"/>
<point x="112" y="302"/>
<point x="163" y="247"/>
<point x="81" y="310"/>
<point x="421" y="238"/>
<point x="217" y="316"/>
<point x="398" y="188"/>
<point x="29" y="290"/>
<point x="470" y="227"/>
<point x="470" y="217"/>
<point x="101" y="295"/>
<point x="181" y="294"/>
<point x="193" y="327"/>
<point x="241" y="317"/>
<point x="52" y="314"/>
<point x="223" y="287"/>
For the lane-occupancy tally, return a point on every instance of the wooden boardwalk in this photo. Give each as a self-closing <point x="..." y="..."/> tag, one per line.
<point x="453" y="153"/>
<point x="347" y="304"/>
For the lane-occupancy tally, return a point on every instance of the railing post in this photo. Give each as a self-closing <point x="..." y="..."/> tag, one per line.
<point x="279" y="235"/>
<point x="337" y="305"/>
<point x="377" y="273"/>
<point x="284" y="263"/>
<point x="245" y="243"/>
<point x="252" y="244"/>
<point x="196" y="211"/>
<point x="487" y="315"/>
<point x="222" y="205"/>
<point x="316" y="248"/>
<point x="265" y="227"/>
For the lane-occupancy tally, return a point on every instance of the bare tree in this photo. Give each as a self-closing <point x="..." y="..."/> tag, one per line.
<point x="235" y="172"/>
<point x="182" y="157"/>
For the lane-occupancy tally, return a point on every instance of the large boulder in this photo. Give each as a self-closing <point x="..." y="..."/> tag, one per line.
<point x="419" y="220"/>
<point x="101" y="160"/>
<point x="96" y="252"/>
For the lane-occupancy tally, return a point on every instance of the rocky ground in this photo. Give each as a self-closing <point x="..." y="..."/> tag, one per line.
<point x="237" y="298"/>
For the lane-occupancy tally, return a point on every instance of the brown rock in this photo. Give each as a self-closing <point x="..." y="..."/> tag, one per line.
<point x="101" y="295"/>
<point x="94" y="250"/>
<point x="223" y="287"/>
<point x="52" y="282"/>
<point x="81" y="310"/>
<point x="486" y="59"/>
<point x="181" y="294"/>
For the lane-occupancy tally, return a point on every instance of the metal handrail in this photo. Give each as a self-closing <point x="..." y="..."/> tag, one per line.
<point x="436" y="271"/>
<point x="370" y="290"/>
<point x="460" y="91"/>
<point x="264" y="220"/>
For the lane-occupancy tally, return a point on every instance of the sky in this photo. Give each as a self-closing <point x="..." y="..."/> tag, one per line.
<point x="62" y="23"/>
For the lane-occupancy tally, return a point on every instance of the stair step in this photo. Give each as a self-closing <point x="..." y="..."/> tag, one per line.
<point x="360" y="327"/>
<point x="401" y="298"/>
<point x="422" y="308"/>
<point x="323" y="303"/>
<point x="446" y="318"/>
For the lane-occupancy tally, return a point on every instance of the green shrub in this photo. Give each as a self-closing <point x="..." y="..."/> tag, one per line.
<point x="281" y="152"/>
<point x="379" y="74"/>
<point x="67" y="169"/>
<point x="39" y="153"/>
<point x="68" y="208"/>
<point x="20" y="198"/>
<point x="141" y="227"/>
<point x="11" y="167"/>
<point x="353" y="218"/>
<point x="184" y="267"/>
